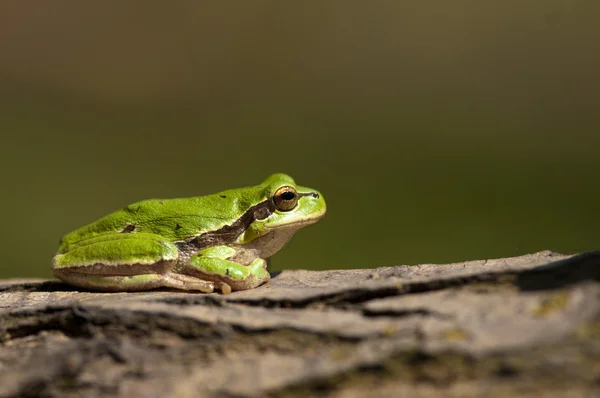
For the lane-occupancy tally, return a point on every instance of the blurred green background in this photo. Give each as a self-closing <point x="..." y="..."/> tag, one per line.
<point x="438" y="131"/>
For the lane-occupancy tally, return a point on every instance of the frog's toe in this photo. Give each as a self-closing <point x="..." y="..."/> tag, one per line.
<point x="224" y="287"/>
<point x="258" y="269"/>
<point x="257" y="276"/>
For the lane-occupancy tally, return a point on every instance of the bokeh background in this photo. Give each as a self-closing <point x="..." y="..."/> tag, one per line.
<point x="438" y="131"/>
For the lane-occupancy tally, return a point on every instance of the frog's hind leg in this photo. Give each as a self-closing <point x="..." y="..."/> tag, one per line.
<point x="124" y="262"/>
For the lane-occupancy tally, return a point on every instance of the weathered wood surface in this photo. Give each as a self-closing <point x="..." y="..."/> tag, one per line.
<point x="524" y="326"/>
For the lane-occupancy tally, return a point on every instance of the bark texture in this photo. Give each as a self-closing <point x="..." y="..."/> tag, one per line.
<point x="525" y="326"/>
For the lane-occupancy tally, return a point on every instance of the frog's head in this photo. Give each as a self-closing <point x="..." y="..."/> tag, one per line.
<point x="291" y="204"/>
<point x="286" y="208"/>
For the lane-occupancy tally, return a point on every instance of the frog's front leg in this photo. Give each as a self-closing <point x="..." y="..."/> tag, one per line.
<point x="229" y="268"/>
<point x="124" y="262"/>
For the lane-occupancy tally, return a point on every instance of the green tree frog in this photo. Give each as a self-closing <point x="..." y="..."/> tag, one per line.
<point x="219" y="241"/>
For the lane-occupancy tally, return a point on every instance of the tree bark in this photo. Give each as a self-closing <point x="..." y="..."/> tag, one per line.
<point x="526" y="326"/>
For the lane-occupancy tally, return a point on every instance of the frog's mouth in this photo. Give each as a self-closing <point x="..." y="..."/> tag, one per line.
<point x="297" y="223"/>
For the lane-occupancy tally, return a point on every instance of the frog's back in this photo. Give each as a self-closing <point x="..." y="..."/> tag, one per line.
<point x="172" y="219"/>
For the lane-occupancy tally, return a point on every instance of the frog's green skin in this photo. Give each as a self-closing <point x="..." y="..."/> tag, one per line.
<point x="217" y="241"/>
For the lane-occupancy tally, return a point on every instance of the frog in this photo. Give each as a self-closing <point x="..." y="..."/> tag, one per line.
<point x="218" y="242"/>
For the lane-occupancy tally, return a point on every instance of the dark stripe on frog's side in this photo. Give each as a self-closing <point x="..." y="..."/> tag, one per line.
<point x="229" y="233"/>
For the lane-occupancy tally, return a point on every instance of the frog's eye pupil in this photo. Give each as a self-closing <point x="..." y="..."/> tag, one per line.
<point x="288" y="195"/>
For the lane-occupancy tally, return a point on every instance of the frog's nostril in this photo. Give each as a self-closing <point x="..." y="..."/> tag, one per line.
<point x="315" y="195"/>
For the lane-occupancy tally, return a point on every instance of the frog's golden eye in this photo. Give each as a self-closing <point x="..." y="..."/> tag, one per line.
<point x="285" y="198"/>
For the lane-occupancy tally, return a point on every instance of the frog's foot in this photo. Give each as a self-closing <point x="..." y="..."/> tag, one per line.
<point x="133" y="283"/>
<point x="225" y="272"/>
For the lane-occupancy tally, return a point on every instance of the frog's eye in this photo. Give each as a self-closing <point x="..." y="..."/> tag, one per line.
<point x="285" y="198"/>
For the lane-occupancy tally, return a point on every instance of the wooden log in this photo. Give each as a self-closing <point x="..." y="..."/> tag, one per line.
<point x="525" y="326"/>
